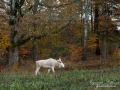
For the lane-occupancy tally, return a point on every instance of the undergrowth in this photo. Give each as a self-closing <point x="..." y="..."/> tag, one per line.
<point x="63" y="80"/>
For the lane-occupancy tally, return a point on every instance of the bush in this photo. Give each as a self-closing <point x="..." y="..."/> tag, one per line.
<point x="59" y="50"/>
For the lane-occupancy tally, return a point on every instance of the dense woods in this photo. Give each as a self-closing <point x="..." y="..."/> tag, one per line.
<point x="74" y="30"/>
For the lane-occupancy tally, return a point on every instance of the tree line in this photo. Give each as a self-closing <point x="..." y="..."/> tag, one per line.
<point x="57" y="24"/>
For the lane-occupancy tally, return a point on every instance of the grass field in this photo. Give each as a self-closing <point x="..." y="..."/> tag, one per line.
<point x="63" y="80"/>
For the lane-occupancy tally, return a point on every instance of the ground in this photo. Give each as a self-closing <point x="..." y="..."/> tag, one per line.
<point x="92" y="63"/>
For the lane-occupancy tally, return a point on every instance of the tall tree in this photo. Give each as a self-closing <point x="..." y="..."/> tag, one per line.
<point x="86" y="19"/>
<point x="35" y="48"/>
<point x="14" y="19"/>
<point x="96" y="16"/>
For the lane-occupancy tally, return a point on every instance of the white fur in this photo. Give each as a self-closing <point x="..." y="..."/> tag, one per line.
<point x="48" y="63"/>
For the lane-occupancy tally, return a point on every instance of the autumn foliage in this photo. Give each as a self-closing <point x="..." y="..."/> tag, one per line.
<point x="57" y="27"/>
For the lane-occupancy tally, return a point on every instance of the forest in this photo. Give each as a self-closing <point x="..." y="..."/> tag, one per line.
<point x="83" y="33"/>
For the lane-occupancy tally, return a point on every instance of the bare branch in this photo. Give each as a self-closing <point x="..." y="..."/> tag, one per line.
<point x="20" y="42"/>
<point x="4" y="6"/>
<point x="56" y="6"/>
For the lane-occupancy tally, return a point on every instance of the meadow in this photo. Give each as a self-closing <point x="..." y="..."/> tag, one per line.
<point x="107" y="79"/>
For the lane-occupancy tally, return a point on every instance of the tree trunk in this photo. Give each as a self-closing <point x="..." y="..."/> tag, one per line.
<point x="104" y="48"/>
<point x="36" y="2"/>
<point x="104" y="37"/>
<point x="34" y="51"/>
<point x="84" y="51"/>
<point x="15" y="15"/>
<point x="15" y="27"/>
<point x="97" y="51"/>
<point x="13" y="55"/>
<point x="35" y="48"/>
<point x="10" y="62"/>
<point x="13" y="52"/>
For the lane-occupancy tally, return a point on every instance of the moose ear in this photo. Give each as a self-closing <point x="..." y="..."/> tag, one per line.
<point x="60" y="59"/>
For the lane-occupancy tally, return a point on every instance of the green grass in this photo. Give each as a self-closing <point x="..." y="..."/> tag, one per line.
<point x="63" y="80"/>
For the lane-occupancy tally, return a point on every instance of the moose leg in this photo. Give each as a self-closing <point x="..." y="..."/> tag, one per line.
<point x="49" y="70"/>
<point x="37" y="70"/>
<point x="53" y="70"/>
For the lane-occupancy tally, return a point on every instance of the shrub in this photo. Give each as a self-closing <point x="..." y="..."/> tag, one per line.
<point x="59" y="50"/>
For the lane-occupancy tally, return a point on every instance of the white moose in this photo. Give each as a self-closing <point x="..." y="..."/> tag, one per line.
<point x="48" y="63"/>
